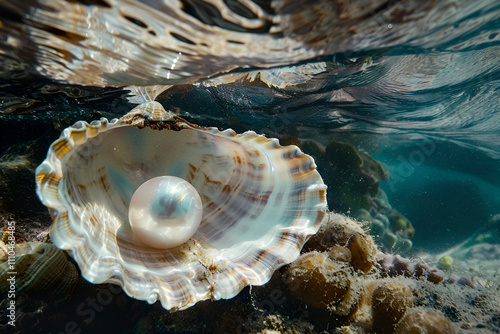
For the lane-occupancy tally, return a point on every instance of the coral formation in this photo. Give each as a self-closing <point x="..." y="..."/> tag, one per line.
<point x="355" y="176"/>
<point x="336" y="230"/>
<point x="353" y="179"/>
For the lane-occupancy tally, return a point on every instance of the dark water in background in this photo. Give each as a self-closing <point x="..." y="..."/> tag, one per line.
<point x="414" y="85"/>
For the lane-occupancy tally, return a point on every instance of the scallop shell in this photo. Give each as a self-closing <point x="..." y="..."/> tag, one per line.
<point x="261" y="202"/>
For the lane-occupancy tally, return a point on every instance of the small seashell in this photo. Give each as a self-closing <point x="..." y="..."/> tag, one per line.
<point x="42" y="270"/>
<point x="260" y="203"/>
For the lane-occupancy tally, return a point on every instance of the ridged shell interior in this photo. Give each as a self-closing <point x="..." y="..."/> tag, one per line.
<point x="261" y="202"/>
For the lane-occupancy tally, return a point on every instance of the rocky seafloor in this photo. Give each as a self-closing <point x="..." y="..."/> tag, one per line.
<point x="345" y="281"/>
<point x="338" y="285"/>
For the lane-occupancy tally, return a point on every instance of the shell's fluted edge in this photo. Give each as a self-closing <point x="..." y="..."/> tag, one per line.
<point x="246" y="233"/>
<point x="49" y="173"/>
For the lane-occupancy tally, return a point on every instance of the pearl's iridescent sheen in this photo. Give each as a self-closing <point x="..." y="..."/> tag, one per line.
<point x="165" y="212"/>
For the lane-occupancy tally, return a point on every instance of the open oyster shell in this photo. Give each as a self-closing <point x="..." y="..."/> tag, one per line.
<point x="261" y="202"/>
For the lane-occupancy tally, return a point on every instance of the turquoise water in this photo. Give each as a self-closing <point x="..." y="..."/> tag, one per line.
<point x="435" y="129"/>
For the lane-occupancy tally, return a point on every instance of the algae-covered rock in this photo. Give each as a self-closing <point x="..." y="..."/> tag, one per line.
<point x="419" y="321"/>
<point x="353" y="176"/>
<point x="445" y="263"/>
<point x="317" y="280"/>
<point x="363" y="252"/>
<point x="353" y="179"/>
<point x="390" y="300"/>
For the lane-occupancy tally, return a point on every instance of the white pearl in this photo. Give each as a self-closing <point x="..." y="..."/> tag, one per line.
<point x="165" y="212"/>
